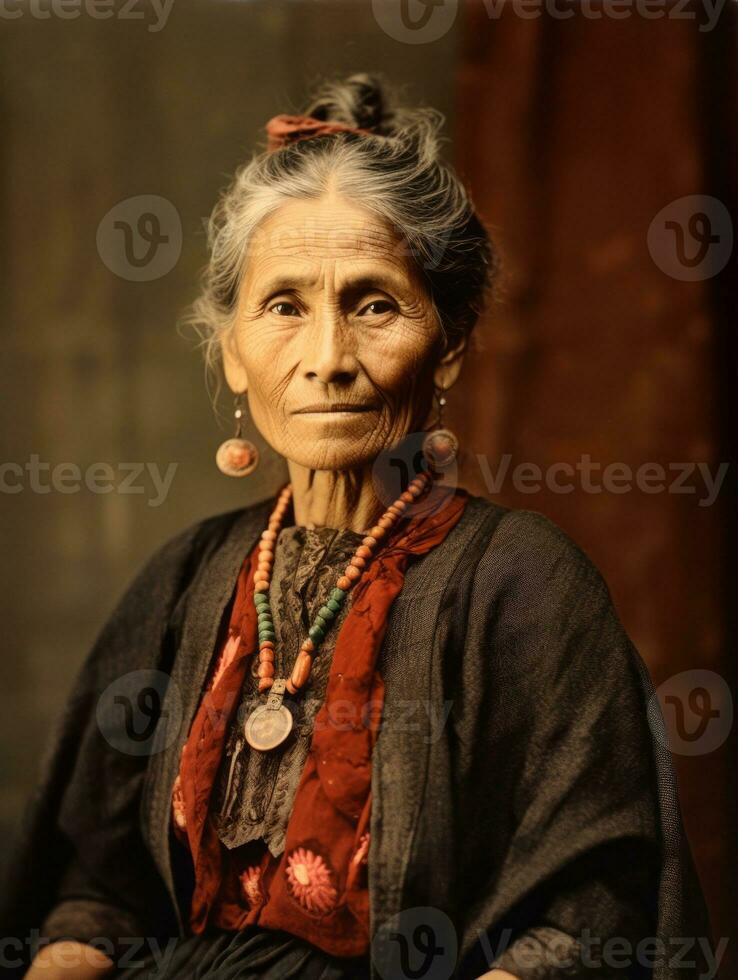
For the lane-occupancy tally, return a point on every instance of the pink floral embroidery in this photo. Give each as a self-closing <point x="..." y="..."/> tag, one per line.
<point x="309" y="881"/>
<point x="178" y="807"/>
<point x="226" y="658"/>
<point x="361" y="854"/>
<point x="251" y="887"/>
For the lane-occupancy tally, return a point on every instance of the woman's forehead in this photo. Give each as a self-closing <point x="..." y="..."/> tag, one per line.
<point x="326" y="227"/>
<point x="305" y="241"/>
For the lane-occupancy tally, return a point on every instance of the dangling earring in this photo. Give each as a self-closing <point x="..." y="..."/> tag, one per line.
<point x="237" y="456"/>
<point x="440" y="446"/>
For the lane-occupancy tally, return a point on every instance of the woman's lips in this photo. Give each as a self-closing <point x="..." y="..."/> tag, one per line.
<point x="337" y="408"/>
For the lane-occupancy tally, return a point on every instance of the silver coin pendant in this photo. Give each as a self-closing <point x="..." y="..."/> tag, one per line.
<point x="267" y="727"/>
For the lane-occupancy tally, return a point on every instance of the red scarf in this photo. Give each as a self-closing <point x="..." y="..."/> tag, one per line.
<point x="317" y="888"/>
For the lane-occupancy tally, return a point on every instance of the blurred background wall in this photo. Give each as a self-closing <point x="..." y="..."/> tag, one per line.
<point x="606" y="340"/>
<point x="589" y="144"/>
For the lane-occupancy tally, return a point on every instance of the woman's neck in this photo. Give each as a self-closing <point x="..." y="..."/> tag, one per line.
<point x="329" y="498"/>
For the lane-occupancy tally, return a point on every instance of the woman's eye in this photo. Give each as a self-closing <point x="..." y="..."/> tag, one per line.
<point x="376" y="307"/>
<point x="284" y="309"/>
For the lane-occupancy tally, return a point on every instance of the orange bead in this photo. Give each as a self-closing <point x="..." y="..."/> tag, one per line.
<point x="266" y="669"/>
<point x="407" y="497"/>
<point x="358" y="562"/>
<point x="268" y="535"/>
<point x="266" y="645"/>
<point x="265" y="683"/>
<point x="307" y="645"/>
<point x="400" y="505"/>
<point x="369" y="542"/>
<point x="352" y="573"/>
<point x="291" y="687"/>
<point x="385" y="522"/>
<point x="261" y="584"/>
<point x="266" y="656"/>
<point x="377" y="532"/>
<point x="363" y="551"/>
<point x="344" y="583"/>
<point x="394" y="511"/>
<point x="302" y="668"/>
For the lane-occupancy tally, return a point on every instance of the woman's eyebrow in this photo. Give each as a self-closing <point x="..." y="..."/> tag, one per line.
<point x="351" y="286"/>
<point x="284" y="283"/>
<point x="368" y="281"/>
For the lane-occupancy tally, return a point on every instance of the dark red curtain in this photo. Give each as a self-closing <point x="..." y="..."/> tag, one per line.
<point x="574" y="134"/>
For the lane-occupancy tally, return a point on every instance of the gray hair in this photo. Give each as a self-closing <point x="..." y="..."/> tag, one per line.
<point x="396" y="172"/>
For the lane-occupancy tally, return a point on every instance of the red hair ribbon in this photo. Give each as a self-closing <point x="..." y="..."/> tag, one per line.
<point x="283" y="129"/>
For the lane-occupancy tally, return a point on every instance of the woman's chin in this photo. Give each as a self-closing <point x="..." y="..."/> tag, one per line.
<point x="332" y="444"/>
<point x="331" y="454"/>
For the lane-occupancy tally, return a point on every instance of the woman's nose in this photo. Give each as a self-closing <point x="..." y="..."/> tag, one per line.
<point x="329" y="350"/>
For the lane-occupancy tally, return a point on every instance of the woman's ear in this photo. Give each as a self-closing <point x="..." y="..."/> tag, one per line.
<point x="235" y="372"/>
<point x="448" y="366"/>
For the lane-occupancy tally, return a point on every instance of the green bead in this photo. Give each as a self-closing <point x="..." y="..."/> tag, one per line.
<point x="334" y="606"/>
<point x="316" y="633"/>
<point x="320" y="621"/>
<point x="261" y="599"/>
<point x="338" y="595"/>
<point x="267" y="634"/>
<point x="265" y="617"/>
<point x="325" y="612"/>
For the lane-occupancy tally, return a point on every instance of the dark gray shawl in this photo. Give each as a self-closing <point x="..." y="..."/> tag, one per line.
<point x="519" y="790"/>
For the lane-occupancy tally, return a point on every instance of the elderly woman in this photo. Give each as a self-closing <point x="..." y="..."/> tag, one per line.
<point x="373" y="726"/>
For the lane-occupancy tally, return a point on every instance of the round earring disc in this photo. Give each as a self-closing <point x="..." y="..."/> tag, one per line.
<point x="266" y="727"/>
<point x="237" y="457"/>
<point x="440" y="448"/>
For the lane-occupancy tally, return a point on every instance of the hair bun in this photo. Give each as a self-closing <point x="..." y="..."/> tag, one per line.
<point x="358" y="101"/>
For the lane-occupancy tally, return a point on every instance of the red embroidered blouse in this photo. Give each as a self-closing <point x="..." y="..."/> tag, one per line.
<point x="317" y="887"/>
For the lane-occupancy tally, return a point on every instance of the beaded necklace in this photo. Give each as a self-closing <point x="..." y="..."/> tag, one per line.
<point x="270" y="724"/>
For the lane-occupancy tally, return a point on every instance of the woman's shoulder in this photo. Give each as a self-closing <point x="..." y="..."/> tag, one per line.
<point x="175" y="562"/>
<point x="527" y="551"/>
<point x="536" y="592"/>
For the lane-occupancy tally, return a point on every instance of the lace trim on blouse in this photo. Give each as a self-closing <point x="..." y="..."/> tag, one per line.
<point x="254" y="791"/>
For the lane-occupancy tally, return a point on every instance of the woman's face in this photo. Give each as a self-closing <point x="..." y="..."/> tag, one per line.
<point x="335" y="337"/>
